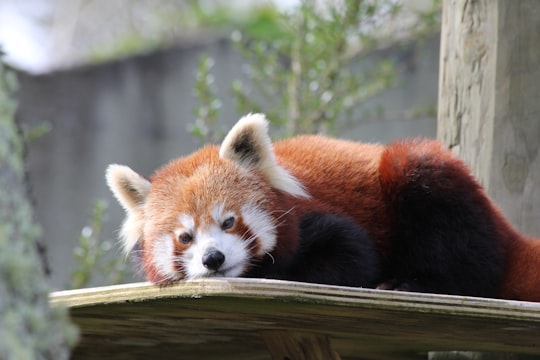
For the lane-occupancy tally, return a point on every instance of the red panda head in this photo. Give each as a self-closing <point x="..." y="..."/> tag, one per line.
<point x="209" y="214"/>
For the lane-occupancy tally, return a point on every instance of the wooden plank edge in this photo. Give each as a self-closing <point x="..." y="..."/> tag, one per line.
<point x="303" y="292"/>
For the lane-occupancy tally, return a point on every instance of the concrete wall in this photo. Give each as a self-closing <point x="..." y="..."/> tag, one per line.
<point x="136" y="111"/>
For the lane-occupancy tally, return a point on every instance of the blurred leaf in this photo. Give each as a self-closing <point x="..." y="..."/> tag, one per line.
<point x="92" y="255"/>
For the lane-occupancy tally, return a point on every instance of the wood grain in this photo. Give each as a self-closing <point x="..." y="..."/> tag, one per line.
<point x="241" y="318"/>
<point x="284" y="344"/>
<point x="488" y="108"/>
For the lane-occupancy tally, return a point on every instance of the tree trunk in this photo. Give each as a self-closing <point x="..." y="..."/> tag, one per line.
<point x="489" y="99"/>
<point x="29" y="328"/>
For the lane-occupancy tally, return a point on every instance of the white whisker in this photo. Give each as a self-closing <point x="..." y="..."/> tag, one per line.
<point x="271" y="257"/>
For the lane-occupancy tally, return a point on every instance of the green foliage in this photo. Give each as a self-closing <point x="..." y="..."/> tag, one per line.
<point x="128" y="44"/>
<point x="263" y="24"/>
<point x="29" y="329"/>
<point x="303" y="67"/>
<point x="205" y="128"/>
<point x="429" y="21"/>
<point x="303" y="80"/>
<point x="170" y="21"/>
<point x="8" y="85"/>
<point x="91" y="252"/>
<point x="35" y="132"/>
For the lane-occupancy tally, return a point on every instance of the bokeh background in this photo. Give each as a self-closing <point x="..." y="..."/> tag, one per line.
<point x="140" y="82"/>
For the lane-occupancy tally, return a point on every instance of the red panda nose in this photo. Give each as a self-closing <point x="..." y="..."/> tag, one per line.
<point x="213" y="259"/>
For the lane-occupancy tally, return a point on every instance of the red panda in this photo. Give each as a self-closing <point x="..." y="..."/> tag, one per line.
<point x="406" y="216"/>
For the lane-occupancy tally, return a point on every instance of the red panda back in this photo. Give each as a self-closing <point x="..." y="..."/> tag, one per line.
<point x="341" y="174"/>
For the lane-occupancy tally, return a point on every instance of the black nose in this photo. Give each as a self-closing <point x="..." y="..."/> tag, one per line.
<point x="213" y="259"/>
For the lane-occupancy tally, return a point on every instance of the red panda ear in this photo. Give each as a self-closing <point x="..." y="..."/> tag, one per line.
<point x="131" y="190"/>
<point x="248" y="145"/>
<point x="127" y="186"/>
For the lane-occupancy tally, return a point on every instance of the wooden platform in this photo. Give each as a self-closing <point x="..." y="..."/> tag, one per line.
<point x="265" y="319"/>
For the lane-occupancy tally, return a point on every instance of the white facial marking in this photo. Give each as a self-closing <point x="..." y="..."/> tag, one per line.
<point x="261" y="225"/>
<point x="163" y="252"/>
<point x="187" y="222"/>
<point x="231" y="245"/>
<point x="219" y="214"/>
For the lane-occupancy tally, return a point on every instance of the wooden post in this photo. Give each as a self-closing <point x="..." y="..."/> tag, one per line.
<point x="489" y="99"/>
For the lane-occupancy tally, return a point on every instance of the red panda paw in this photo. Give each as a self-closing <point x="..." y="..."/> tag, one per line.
<point x="387" y="285"/>
<point x="395" y="285"/>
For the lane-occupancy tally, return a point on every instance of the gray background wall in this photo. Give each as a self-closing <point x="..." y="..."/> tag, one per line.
<point x="136" y="111"/>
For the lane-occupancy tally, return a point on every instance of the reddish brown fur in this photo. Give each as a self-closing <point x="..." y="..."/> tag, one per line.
<point x="213" y="180"/>
<point x="345" y="178"/>
<point x="520" y="255"/>
<point x="522" y="279"/>
<point x="342" y="175"/>
<point x="348" y="176"/>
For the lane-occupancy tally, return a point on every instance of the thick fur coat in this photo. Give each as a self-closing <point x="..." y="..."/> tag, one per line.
<point x="406" y="216"/>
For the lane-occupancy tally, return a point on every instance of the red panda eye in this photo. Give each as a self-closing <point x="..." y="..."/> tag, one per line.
<point x="185" y="238"/>
<point x="228" y="223"/>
